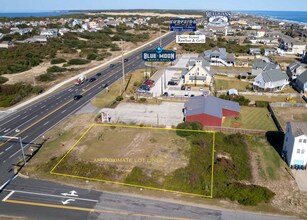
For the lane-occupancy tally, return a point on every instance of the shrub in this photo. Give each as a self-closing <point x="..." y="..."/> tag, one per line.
<point x="56" y="69"/>
<point x="57" y="61"/>
<point x="188" y="126"/>
<point x="78" y="62"/>
<point x="3" y="80"/>
<point x="92" y="56"/>
<point x="262" y="104"/>
<point x="119" y="98"/>
<point x="236" y="98"/>
<point x="47" y="77"/>
<point x="132" y="98"/>
<point x="143" y="100"/>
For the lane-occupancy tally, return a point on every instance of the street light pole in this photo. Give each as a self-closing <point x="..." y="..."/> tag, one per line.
<point x="21" y="146"/>
<point x="160" y="39"/>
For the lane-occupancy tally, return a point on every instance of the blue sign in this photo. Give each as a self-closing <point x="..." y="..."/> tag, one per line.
<point x="183" y="25"/>
<point x="159" y="55"/>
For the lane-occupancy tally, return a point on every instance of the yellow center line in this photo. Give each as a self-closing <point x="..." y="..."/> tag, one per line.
<point x="56" y="110"/>
<point x="94" y="210"/>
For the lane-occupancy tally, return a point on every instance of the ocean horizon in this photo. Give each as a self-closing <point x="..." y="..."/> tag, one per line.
<point x="36" y="14"/>
<point x="285" y="16"/>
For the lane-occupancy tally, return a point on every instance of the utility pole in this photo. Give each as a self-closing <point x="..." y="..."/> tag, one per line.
<point x="123" y="65"/>
<point x="160" y="39"/>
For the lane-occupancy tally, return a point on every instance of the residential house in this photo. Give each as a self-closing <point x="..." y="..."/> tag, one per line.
<point x="301" y="82"/>
<point x="294" y="70"/>
<point x="36" y="39"/>
<point x="263" y="65"/>
<point x="270" y="52"/>
<point x="7" y="44"/>
<point x="270" y="81"/>
<point x="130" y="24"/>
<point x="209" y="110"/>
<point x="198" y="72"/>
<point x="112" y="23"/>
<point x="219" y="57"/>
<point x="63" y="31"/>
<point x="289" y="45"/>
<point x="49" y="32"/>
<point x="295" y="144"/>
<point x="265" y="40"/>
<point x="254" y="51"/>
<point x="1" y="35"/>
<point x="260" y="33"/>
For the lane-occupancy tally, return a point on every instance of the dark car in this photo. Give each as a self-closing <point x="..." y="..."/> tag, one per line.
<point x="111" y="65"/>
<point x="182" y="87"/>
<point x="77" y="97"/>
<point x="104" y="85"/>
<point x="172" y="83"/>
<point x="126" y="60"/>
<point x="98" y="74"/>
<point x="92" y="79"/>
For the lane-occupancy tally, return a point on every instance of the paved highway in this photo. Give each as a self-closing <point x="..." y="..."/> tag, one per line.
<point x="33" y="121"/>
<point x="38" y="199"/>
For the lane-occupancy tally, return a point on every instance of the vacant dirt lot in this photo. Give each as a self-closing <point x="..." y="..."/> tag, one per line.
<point x="286" y="114"/>
<point x="151" y="149"/>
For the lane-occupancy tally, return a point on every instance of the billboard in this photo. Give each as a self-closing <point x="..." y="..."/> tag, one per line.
<point x="190" y="39"/>
<point x="158" y="55"/>
<point x="183" y="24"/>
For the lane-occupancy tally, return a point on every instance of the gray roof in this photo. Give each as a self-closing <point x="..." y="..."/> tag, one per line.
<point x="209" y="105"/>
<point x="294" y="66"/>
<point x="303" y="77"/>
<point x="274" y="75"/>
<point x="298" y="128"/>
<point x="264" y="65"/>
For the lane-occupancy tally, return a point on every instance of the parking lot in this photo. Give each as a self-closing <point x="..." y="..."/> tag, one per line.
<point x="166" y="114"/>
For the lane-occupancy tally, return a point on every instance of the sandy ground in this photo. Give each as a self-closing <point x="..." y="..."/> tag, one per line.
<point x="150" y="14"/>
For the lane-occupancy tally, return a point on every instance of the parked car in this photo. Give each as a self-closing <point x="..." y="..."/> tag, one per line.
<point x="182" y="87"/>
<point x="77" y="97"/>
<point x="172" y="83"/>
<point x="165" y="93"/>
<point x="192" y="95"/>
<point x="201" y="89"/>
<point x="92" y="79"/>
<point x="186" y="94"/>
<point x="149" y="82"/>
<point x="189" y="88"/>
<point x="145" y="87"/>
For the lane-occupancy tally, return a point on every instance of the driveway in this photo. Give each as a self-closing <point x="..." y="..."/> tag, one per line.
<point x="166" y="114"/>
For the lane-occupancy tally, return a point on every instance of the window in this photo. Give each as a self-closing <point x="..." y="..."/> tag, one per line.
<point x="298" y="151"/>
<point x="303" y="151"/>
<point x="305" y="140"/>
<point x="286" y="139"/>
<point x="300" y="140"/>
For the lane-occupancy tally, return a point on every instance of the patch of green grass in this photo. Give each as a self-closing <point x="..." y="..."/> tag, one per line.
<point x="225" y="83"/>
<point x="252" y="118"/>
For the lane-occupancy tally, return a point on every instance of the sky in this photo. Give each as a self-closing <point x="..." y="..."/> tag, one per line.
<point x="51" y="5"/>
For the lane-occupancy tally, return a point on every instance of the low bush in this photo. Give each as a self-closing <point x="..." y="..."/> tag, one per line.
<point x="3" y="80"/>
<point x="57" y="61"/>
<point x="78" y="62"/>
<point x="236" y="98"/>
<point x="119" y="98"/>
<point x="56" y="69"/>
<point x="262" y="104"/>
<point x="92" y="56"/>
<point x="47" y="77"/>
<point x="188" y="126"/>
<point x="143" y="100"/>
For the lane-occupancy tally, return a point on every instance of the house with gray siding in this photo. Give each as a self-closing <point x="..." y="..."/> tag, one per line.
<point x="301" y="81"/>
<point x="219" y="57"/>
<point x="270" y="81"/>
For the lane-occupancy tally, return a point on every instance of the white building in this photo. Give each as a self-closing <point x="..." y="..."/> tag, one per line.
<point x="295" y="144"/>
<point x="197" y="73"/>
<point x="49" y="32"/>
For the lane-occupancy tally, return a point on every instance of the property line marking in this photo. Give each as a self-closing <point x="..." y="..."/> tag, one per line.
<point x="134" y="185"/>
<point x="94" y="210"/>
<point x="8" y="196"/>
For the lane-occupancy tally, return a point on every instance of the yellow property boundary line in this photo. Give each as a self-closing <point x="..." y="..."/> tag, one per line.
<point x="135" y="185"/>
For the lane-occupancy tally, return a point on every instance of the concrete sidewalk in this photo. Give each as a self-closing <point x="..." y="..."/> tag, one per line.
<point x="54" y="88"/>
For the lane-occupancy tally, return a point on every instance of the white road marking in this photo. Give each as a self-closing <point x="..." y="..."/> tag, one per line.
<point x="8" y="196"/>
<point x="58" y="98"/>
<point x="25" y="137"/>
<point x="63" y="111"/>
<point x="50" y="195"/>
<point x="11" y="119"/>
<point x="71" y="193"/>
<point x="7" y="130"/>
<point x="90" y="93"/>
<point x="9" y="147"/>
<point x="67" y="201"/>
<point x="1" y="153"/>
<point x="46" y="123"/>
<point x="43" y="106"/>
<point x="24" y="116"/>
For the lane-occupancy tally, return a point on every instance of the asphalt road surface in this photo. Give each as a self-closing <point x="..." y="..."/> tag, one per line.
<point x="32" y="122"/>
<point x="37" y="199"/>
